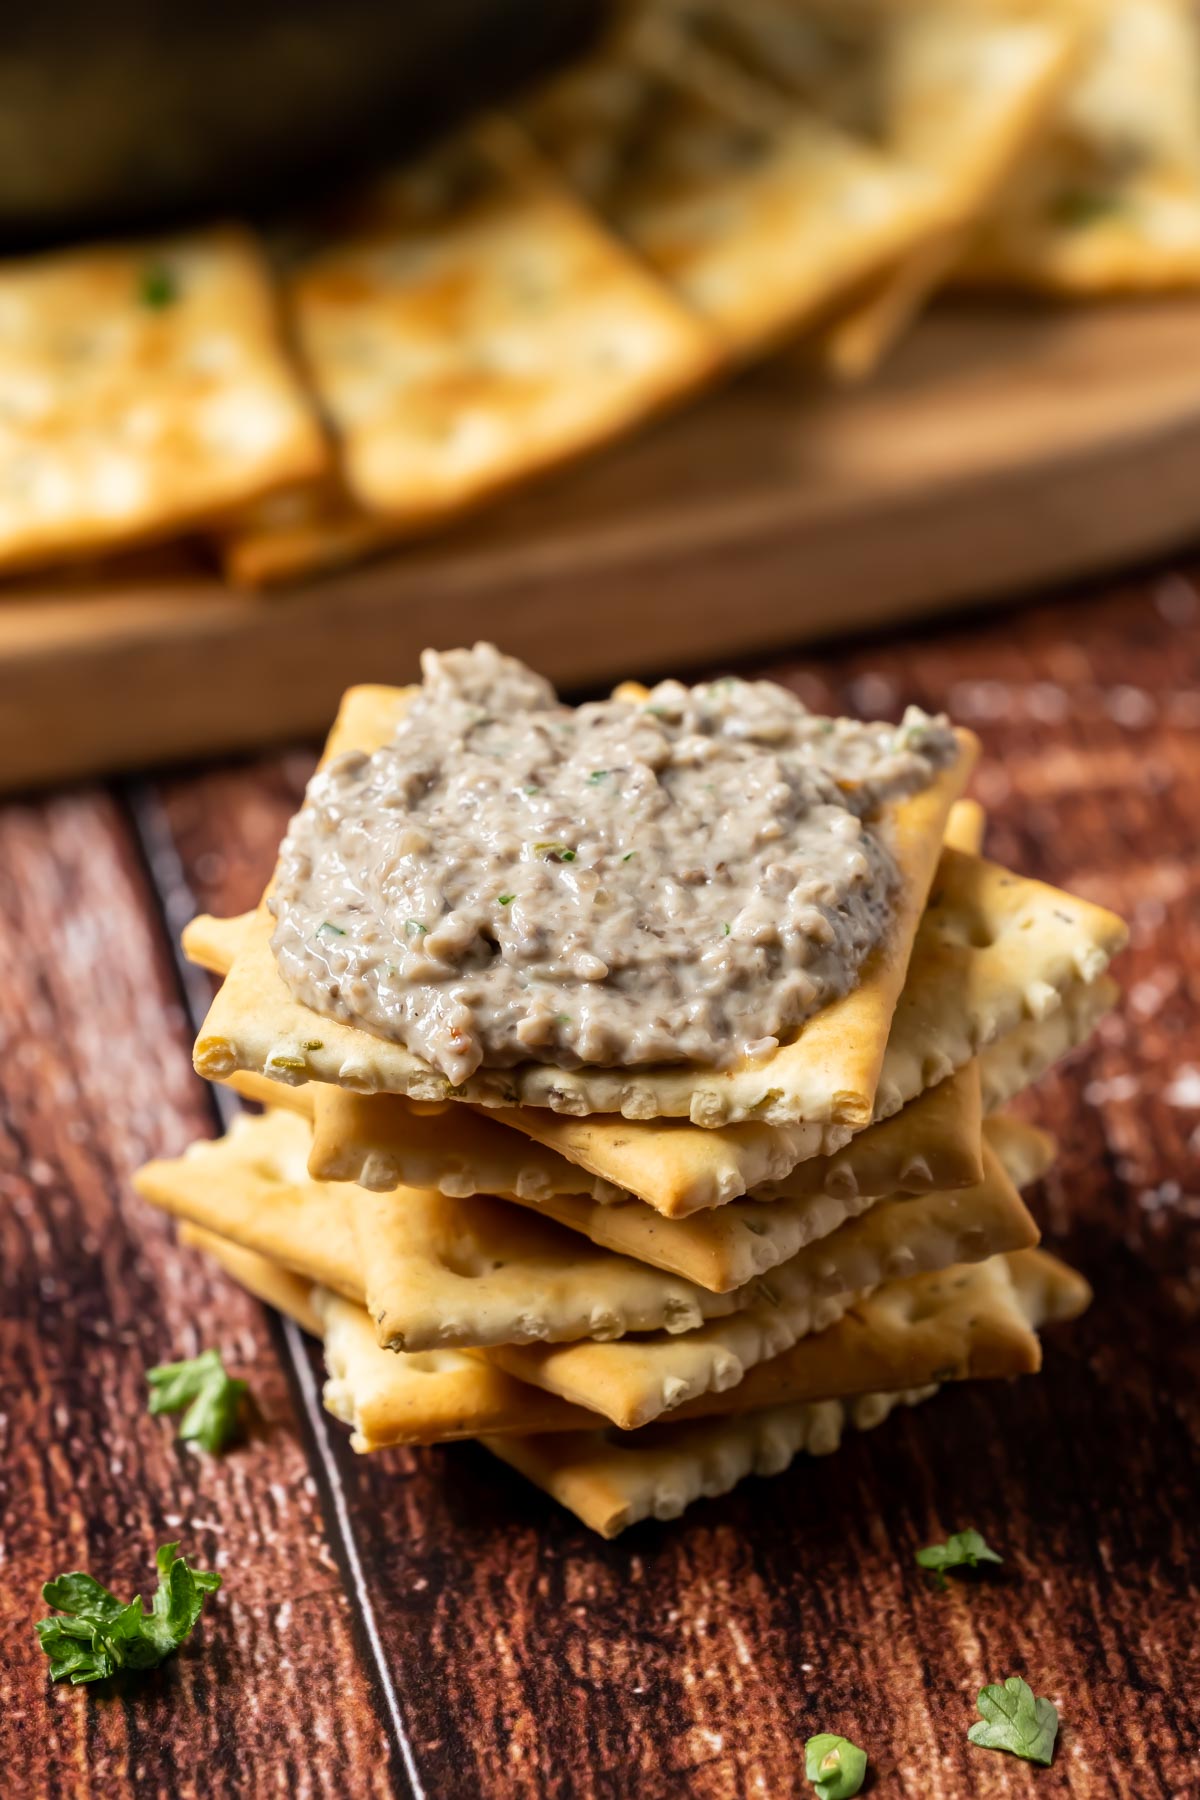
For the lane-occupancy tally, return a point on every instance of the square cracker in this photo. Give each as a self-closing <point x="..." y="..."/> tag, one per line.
<point x="758" y="213"/>
<point x="955" y="91"/>
<point x="1021" y="1056"/>
<point x="994" y="950"/>
<point x="146" y="389"/>
<point x="824" y="1078"/>
<point x="470" y="324"/>
<point x="437" y="1272"/>
<point x="238" y="1187"/>
<point x="996" y="955"/>
<point x="388" y="1399"/>
<point x="636" y="1380"/>
<point x="956" y="1331"/>
<point x="1111" y="202"/>
<point x="381" y="1141"/>
<point x="610" y="1483"/>
<point x="476" y="1272"/>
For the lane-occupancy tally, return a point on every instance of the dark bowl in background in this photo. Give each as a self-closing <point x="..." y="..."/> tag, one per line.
<point x="129" y="114"/>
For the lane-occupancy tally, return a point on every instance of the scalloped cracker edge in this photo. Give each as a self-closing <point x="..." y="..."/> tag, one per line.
<point x="826" y="1077"/>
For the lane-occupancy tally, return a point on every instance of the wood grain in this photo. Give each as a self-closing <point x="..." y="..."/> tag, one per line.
<point x="95" y="1077"/>
<point x="772" y="512"/>
<point x="525" y="1658"/>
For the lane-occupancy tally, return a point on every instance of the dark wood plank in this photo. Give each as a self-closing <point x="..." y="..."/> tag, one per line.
<point x="276" y="1689"/>
<point x="694" y="1658"/>
<point x="770" y="512"/>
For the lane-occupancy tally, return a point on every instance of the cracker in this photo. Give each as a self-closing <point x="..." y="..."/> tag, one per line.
<point x="994" y="950"/>
<point x="972" y="1323"/>
<point x="1025" y="1151"/>
<point x="266" y="1280"/>
<point x="1112" y="201"/>
<point x="381" y="1142"/>
<point x="955" y="1324"/>
<point x="300" y="535"/>
<point x="757" y="213"/>
<point x="612" y="1483"/>
<point x="1021" y="1056"/>
<point x="969" y="88"/>
<point x="1042" y="956"/>
<point x="430" y="1397"/>
<point x="147" y="390"/>
<point x="825" y="1077"/>
<point x="471" y="324"/>
<point x="388" y="1399"/>
<point x="636" y="1380"/>
<point x="251" y="1186"/>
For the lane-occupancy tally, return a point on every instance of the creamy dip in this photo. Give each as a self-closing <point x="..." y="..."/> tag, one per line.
<point x="684" y="878"/>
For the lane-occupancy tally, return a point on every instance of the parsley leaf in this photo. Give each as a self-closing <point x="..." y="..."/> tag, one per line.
<point x="834" y="1765"/>
<point x="1080" y="206"/>
<point x="158" y="287"/>
<point x="99" y="1634"/>
<point x="962" y="1550"/>
<point x="330" y="929"/>
<point x="212" y="1398"/>
<point x="554" y="852"/>
<point x="505" y="899"/>
<point x="1016" y="1720"/>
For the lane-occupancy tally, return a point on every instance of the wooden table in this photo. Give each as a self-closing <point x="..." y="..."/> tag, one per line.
<point x="425" y="1622"/>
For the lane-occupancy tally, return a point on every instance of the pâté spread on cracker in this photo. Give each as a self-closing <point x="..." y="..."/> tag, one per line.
<point x="632" y="1076"/>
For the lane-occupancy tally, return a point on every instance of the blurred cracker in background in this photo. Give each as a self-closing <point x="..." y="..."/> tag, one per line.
<point x="1112" y="203"/>
<point x="466" y="324"/>
<point x="144" y="389"/>
<point x="757" y="211"/>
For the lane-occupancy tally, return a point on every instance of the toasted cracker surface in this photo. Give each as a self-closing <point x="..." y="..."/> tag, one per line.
<point x="994" y="949"/>
<point x="1020" y="1056"/>
<point x="612" y="1483"/>
<point x="1041" y="958"/>
<point x="146" y="390"/>
<point x="638" y="1379"/>
<point x="251" y="1186"/>
<point x="952" y="93"/>
<point x="1111" y="202"/>
<point x="473" y="323"/>
<point x="757" y="213"/>
<point x="826" y="1076"/>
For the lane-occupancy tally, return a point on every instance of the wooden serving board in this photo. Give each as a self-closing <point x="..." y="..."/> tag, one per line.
<point x="1001" y="447"/>
<point x="423" y="1623"/>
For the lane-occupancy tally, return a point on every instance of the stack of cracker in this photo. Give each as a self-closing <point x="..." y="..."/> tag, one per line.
<point x="718" y="178"/>
<point x="638" y="1285"/>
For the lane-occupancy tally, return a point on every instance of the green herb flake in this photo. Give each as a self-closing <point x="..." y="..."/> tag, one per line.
<point x="211" y="1397"/>
<point x="563" y="1019"/>
<point x="629" y="856"/>
<point x="531" y="790"/>
<point x="1017" y="1720"/>
<point x="158" y="287"/>
<point x="1075" y="207"/>
<point x="505" y="899"/>
<point x="99" y="1634"/>
<point x="329" y="929"/>
<point x="411" y="925"/>
<point x="835" y="1766"/>
<point x="962" y="1550"/>
<point x="725" y="928"/>
<point x="554" y="852"/>
<point x="597" y="776"/>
